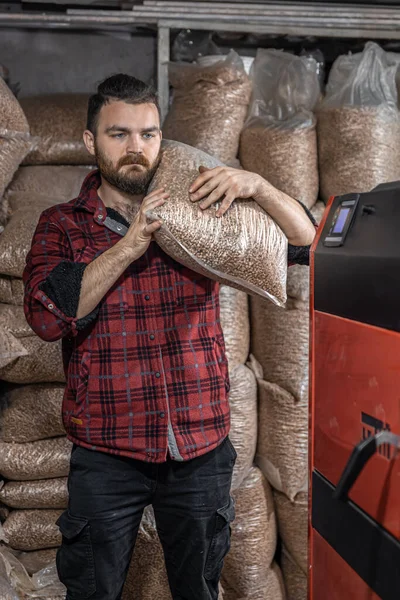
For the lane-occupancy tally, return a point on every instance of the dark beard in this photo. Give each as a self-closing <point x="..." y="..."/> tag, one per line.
<point x="135" y="182"/>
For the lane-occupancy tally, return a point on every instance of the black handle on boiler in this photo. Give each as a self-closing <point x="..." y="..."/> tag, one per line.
<point x="359" y="458"/>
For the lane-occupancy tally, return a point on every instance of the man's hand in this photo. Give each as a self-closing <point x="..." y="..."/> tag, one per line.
<point x="226" y="184"/>
<point x="140" y="233"/>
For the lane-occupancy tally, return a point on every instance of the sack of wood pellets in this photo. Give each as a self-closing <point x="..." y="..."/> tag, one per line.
<point x="296" y="582"/>
<point x="45" y="493"/>
<point x="15" y="141"/>
<point x="11" y="290"/>
<point x="235" y="323"/>
<point x="147" y="577"/>
<point x="60" y="183"/>
<point x="244" y="249"/>
<point x="58" y="121"/>
<point x="209" y="105"/>
<point x="243" y="433"/>
<point x="32" y="529"/>
<point x="37" y="559"/>
<point x="293" y="526"/>
<point x="15" y="241"/>
<point x="282" y="446"/>
<point x="44" y="459"/>
<point x="24" y="357"/>
<point x="253" y="543"/>
<point x="279" y="139"/>
<point x="359" y="126"/>
<point x="280" y="342"/>
<point x="298" y="277"/>
<point x="31" y="412"/>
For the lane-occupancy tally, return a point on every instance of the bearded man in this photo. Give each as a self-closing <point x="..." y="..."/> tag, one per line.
<point x="146" y="401"/>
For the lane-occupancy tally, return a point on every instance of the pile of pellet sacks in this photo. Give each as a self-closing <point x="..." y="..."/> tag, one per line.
<point x="267" y="346"/>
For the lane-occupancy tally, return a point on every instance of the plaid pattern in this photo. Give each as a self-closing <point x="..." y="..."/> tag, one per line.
<point x="152" y="366"/>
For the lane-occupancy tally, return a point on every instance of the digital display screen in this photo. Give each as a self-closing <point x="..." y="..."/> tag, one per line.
<point x="341" y="220"/>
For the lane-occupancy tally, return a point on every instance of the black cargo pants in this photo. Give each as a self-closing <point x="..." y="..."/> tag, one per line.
<point x="193" y="511"/>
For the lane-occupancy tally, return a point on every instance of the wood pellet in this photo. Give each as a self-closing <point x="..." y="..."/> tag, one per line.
<point x="63" y="183"/>
<point x="43" y="459"/>
<point x="11" y="290"/>
<point x="244" y="249"/>
<point x="209" y="107"/>
<point x="243" y="433"/>
<point x="12" y="152"/>
<point x="32" y="412"/>
<point x="286" y="157"/>
<point x="46" y="493"/>
<point x="358" y="148"/>
<point x="33" y="529"/>
<point x="58" y="120"/>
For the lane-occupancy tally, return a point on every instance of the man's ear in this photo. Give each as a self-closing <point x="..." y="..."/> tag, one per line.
<point x="88" y="139"/>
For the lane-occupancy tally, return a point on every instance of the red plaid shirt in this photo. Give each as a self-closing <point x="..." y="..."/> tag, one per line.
<point x="149" y="375"/>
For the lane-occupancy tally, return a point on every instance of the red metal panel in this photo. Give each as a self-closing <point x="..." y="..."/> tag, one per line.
<point x="356" y="392"/>
<point x="332" y="578"/>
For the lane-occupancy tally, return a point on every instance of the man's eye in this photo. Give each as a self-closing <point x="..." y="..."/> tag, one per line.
<point x="148" y="136"/>
<point x="118" y="135"/>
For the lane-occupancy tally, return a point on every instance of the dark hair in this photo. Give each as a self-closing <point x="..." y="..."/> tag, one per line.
<point x="119" y="87"/>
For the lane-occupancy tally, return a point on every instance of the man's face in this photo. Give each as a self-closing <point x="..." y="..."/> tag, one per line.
<point x="127" y="145"/>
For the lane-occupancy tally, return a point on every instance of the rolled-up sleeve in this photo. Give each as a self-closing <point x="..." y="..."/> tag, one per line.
<point x="45" y="311"/>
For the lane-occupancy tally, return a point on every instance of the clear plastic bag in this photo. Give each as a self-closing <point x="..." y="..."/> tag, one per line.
<point x="34" y="360"/>
<point x="58" y="121"/>
<point x="45" y="493"/>
<point x="44" y="459"/>
<point x="359" y="124"/>
<point x="243" y="433"/>
<point x="279" y="137"/>
<point x="209" y="106"/>
<point x="293" y="526"/>
<point x="244" y="249"/>
<point x="33" y="529"/>
<point x="253" y="544"/>
<point x="44" y="585"/>
<point x="235" y="323"/>
<point x="296" y="582"/>
<point x="33" y="412"/>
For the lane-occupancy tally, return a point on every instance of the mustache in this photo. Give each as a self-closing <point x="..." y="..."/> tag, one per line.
<point x="134" y="159"/>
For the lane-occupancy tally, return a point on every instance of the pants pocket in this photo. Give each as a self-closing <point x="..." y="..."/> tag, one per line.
<point x="221" y="541"/>
<point x="75" y="561"/>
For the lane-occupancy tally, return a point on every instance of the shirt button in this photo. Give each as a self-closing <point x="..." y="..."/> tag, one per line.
<point x="147" y="297"/>
<point x="152" y="336"/>
<point x="51" y="306"/>
<point x="158" y="374"/>
<point x="100" y="217"/>
<point x="162" y="415"/>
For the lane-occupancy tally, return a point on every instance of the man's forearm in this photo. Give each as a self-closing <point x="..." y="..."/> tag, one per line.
<point x="101" y="274"/>
<point x="288" y="213"/>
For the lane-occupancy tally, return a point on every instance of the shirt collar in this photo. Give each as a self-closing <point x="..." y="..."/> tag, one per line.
<point x="89" y="199"/>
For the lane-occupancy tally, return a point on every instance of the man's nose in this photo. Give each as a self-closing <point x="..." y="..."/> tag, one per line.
<point x="135" y="145"/>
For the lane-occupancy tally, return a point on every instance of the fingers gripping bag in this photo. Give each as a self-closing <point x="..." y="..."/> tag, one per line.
<point x="244" y="249"/>
<point x="279" y="139"/>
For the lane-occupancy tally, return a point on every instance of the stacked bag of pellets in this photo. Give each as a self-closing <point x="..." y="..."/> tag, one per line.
<point x="280" y="345"/>
<point x="209" y="106"/>
<point x="34" y="464"/>
<point x="359" y="124"/>
<point x="279" y="138"/>
<point x="32" y="190"/>
<point x="15" y="141"/>
<point x="244" y="249"/>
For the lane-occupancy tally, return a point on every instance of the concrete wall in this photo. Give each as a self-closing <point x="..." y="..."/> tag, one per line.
<point x="73" y="61"/>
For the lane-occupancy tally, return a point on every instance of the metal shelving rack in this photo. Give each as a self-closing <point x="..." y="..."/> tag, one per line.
<point x="273" y="17"/>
